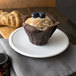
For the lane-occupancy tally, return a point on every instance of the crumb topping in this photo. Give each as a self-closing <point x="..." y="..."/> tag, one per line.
<point x="40" y="23"/>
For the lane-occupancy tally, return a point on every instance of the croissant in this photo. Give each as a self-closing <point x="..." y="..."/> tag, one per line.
<point x="12" y="19"/>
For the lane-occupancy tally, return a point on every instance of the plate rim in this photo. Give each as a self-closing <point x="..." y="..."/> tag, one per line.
<point x="34" y="56"/>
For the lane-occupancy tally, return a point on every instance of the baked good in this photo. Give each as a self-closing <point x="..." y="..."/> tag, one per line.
<point x="6" y="31"/>
<point x="12" y="19"/>
<point x="39" y="27"/>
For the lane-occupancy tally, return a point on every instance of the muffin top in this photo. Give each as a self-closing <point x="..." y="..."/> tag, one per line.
<point x="40" y="21"/>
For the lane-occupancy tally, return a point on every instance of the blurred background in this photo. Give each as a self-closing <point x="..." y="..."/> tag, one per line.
<point x="67" y="7"/>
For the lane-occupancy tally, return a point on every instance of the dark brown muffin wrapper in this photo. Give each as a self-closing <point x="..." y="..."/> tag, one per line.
<point x="39" y="37"/>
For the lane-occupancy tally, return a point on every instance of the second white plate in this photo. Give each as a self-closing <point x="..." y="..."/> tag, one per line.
<point x="19" y="41"/>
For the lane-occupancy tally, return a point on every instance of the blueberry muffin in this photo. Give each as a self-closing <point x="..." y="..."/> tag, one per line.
<point x="39" y="27"/>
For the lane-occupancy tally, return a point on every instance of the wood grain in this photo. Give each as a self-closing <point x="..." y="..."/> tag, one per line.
<point x="26" y="3"/>
<point x="65" y="26"/>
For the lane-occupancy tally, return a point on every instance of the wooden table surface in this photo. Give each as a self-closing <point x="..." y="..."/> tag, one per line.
<point x="65" y="25"/>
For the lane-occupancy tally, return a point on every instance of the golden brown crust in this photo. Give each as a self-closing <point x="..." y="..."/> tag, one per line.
<point x="1" y="12"/>
<point x="6" y="31"/>
<point x="40" y="23"/>
<point x="17" y="18"/>
<point x="12" y="19"/>
<point x="9" y="22"/>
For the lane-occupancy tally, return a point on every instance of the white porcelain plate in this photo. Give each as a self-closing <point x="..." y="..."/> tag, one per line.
<point x="19" y="41"/>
